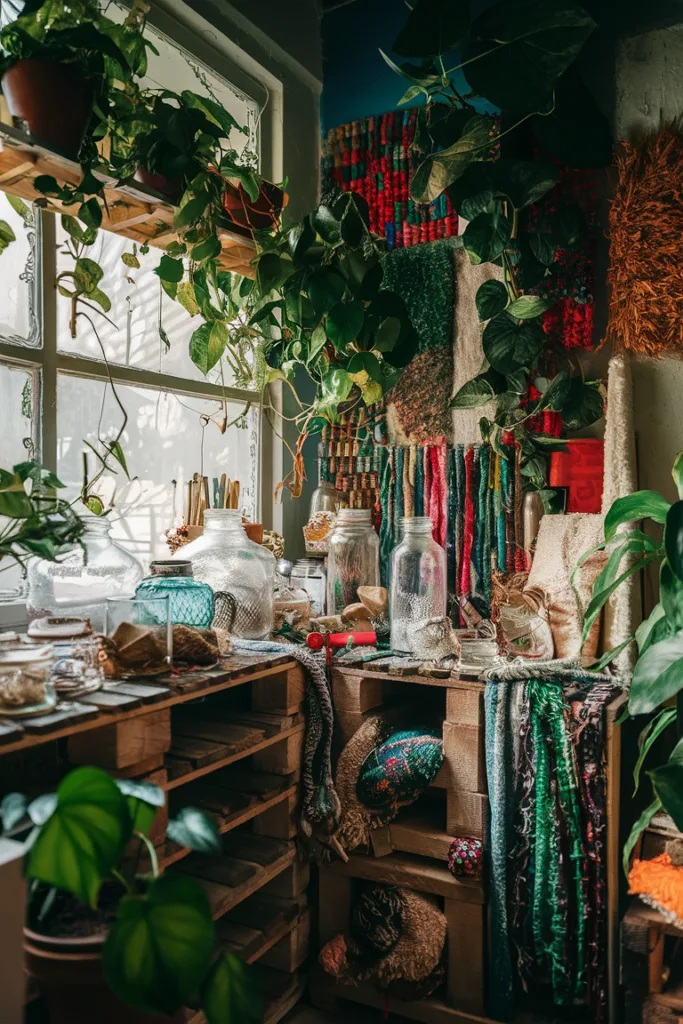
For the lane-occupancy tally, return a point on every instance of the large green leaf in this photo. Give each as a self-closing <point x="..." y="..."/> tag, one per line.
<point x="84" y="837"/>
<point x="231" y="994"/>
<point x="433" y="28"/>
<point x="508" y="344"/>
<point x="583" y="405"/>
<point x="87" y="274"/>
<point x="209" y="249"/>
<point x="439" y="170"/>
<point x="667" y="782"/>
<point x="677" y="473"/>
<point x="522" y="181"/>
<point x="327" y="225"/>
<point x="636" y="832"/>
<point x="344" y="322"/>
<point x="604" y="589"/>
<point x="521" y="49"/>
<point x="143" y="800"/>
<point x="216" y="113"/>
<point x="639" y="505"/>
<point x="478" y="391"/>
<point x="486" y="236"/>
<point x="491" y="299"/>
<point x="526" y="307"/>
<point x="673" y="538"/>
<point x="325" y="288"/>
<point x="654" y="728"/>
<point x="196" y="829"/>
<point x="207" y="345"/>
<point x="405" y="349"/>
<point x="169" y="269"/>
<point x="671" y="596"/>
<point x="652" y="629"/>
<point x="158" y="951"/>
<point x="421" y="78"/>
<point x="269" y="272"/>
<point x="658" y="675"/>
<point x="337" y="386"/>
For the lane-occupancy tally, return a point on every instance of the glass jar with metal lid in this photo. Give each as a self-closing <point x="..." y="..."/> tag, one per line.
<point x="191" y="601"/>
<point x="418" y="580"/>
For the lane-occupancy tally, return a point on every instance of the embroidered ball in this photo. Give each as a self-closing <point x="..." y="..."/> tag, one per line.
<point x="465" y="858"/>
<point x="399" y="770"/>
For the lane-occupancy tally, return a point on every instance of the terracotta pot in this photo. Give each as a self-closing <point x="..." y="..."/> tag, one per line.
<point x="69" y="973"/>
<point x="53" y="100"/>
<point x="263" y="213"/>
<point x="254" y="531"/>
<point x="158" y="182"/>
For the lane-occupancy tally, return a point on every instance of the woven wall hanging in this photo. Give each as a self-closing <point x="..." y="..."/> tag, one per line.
<point x="646" y="228"/>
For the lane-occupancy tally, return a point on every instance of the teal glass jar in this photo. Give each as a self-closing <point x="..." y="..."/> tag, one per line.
<point x="191" y="601"/>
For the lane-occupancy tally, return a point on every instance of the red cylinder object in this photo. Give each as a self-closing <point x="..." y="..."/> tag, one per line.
<point x="316" y="640"/>
<point x="580" y="470"/>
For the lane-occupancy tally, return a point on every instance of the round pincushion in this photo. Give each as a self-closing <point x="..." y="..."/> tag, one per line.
<point x="399" y="770"/>
<point x="465" y="858"/>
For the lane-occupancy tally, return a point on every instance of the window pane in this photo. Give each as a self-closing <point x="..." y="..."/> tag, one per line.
<point x="162" y="443"/>
<point x="18" y="398"/>
<point x="139" y="307"/>
<point x="20" y="313"/>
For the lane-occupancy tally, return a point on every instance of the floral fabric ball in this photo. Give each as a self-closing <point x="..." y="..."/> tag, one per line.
<point x="466" y="858"/>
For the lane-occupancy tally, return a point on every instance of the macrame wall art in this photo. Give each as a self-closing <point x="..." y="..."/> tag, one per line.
<point x="646" y="226"/>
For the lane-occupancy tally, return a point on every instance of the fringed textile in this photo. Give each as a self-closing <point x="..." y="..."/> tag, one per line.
<point x="545" y="760"/>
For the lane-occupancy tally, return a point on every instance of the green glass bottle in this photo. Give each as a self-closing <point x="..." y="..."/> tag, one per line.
<point x="191" y="601"/>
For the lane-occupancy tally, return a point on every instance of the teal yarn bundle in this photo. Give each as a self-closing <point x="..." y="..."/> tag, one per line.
<point x="398" y="771"/>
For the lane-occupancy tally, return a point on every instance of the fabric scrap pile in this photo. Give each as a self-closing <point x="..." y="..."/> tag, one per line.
<point x="545" y="761"/>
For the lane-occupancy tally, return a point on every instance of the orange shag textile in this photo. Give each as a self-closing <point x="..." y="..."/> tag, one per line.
<point x="646" y="227"/>
<point x="659" y="882"/>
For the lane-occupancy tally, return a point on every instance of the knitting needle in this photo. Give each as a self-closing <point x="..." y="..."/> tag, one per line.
<point x="221" y="496"/>
<point x="215" y="492"/>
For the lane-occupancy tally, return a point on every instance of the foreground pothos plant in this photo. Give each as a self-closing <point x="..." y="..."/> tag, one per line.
<point x="657" y="682"/>
<point x="518" y="56"/>
<point x="36" y="521"/>
<point x="159" y="954"/>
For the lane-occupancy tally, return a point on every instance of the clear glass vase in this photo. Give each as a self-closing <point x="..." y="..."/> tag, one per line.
<point x="353" y="558"/>
<point x="228" y="561"/>
<point x="418" y="580"/>
<point x="80" y="583"/>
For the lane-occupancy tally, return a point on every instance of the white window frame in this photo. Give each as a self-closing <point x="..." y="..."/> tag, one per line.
<point x="46" y="363"/>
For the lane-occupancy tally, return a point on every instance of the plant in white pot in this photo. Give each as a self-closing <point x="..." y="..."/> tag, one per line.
<point x="106" y="941"/>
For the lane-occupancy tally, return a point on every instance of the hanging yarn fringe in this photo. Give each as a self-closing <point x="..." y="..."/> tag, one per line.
<point x="646" y="226"/>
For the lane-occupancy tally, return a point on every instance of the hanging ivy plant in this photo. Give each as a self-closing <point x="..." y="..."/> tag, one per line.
<point x="518" y="55"/>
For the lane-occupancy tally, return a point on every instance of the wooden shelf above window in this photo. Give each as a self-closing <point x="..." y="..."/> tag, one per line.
<point x="132" y="210"/>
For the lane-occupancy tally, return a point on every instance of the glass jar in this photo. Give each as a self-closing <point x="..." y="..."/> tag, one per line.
<point x="353" y="559"/>
<point x="310" y="575"/>
<point x="418" y="580"/>
<point x="81" y="582"/>
<point x="191" y="600"/>
<point x="325" y="498"/>
<point x="25" y="683"/>
<point x="227" y="560"/>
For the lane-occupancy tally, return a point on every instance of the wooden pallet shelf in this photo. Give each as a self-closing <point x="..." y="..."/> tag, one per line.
<point x="131" y="210"/>
<point x="420" y="873"/>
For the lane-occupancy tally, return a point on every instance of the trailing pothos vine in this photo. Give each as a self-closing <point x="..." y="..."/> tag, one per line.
<point x="518" y="55"/>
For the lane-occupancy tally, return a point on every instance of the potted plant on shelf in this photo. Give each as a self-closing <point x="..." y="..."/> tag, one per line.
<point x="62" y="60"/>
<point x="657" y="683"/>
<point x="107" y="941"/>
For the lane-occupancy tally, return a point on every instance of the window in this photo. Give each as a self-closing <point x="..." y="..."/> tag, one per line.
<point x="55" y="391"/>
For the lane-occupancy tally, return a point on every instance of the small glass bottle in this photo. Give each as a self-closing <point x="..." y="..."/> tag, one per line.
<point x="228" y="561"/>
<point x="353" y="559"/>
<point x="191" y="600"/>
<point x="79" y="584"/>
<point x="309" y="573"/>
<point x="418" y="579"/>
<point x="325" y="498"/>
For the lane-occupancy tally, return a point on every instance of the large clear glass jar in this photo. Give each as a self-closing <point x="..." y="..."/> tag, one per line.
<point x="227" y="560"/>
<point x="80" y="582"/>
<point x="353" y="558"/>
<point x="418" y="580"/>
<point x="191" y="601"/>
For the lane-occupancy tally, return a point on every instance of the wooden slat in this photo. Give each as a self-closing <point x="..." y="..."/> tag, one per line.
<point x="131" y="210"/>
<point x="232" y="821"/>
<point x="181" y="780"/>
<point x="235" y="672"/>
<point x="223" y="896"/>
<point x="418" y="873"/>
